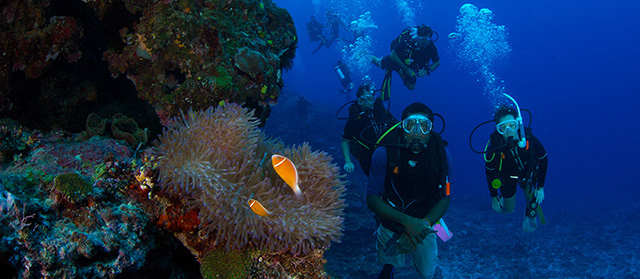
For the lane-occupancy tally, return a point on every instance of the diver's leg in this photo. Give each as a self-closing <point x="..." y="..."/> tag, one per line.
<point x="529" y="224"/>
<point x="375" y="60"/>
<point x="408" y="81"/>
<point x="509" y="205"/>
<point x="317" y="48"/>
<point x="386" y="248"/>
<point x="508" y="191"/>
<point x="425" y="257"/>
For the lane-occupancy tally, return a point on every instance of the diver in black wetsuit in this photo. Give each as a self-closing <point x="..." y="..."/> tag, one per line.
<point x="314" y="29"/>
<point x="410" y="55"/>
<point x="508" y="165"/>
<point x="367" y="114"/>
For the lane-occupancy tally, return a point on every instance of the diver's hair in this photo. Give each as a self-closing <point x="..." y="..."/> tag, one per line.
<point x="503" y="111"/>
<point x="425" y="31"/>
<point x="362" y="89"/>
<point x="417" y="108"/>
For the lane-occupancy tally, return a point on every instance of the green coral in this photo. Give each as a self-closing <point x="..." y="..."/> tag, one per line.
<point x="223" y="80"/>
<point x="72" y="186"/>
<point x="220" y="263"/>
<point x="126" y="128"/>
<point x="95" y="126"/>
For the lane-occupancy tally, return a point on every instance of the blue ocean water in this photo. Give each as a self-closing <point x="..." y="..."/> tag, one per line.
<point x="573" y="64"/>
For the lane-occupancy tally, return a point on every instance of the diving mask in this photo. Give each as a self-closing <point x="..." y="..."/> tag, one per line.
<point x="366" y="99"/>
<point x="416" y="123"/>
<point x="507" y="127"/>
<point x="424" y="41"/>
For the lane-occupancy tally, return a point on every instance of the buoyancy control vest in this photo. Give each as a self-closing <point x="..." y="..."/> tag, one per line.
<point x="415" y="182"/>
<point x="404" y="36"/>
<point x="375" y="121"/>
<point x="524" y="159"/>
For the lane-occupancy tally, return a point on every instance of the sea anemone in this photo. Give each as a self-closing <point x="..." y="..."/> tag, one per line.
<point x="217" y="160"/>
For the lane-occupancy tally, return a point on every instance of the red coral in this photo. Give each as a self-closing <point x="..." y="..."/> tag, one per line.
<point x="175" y="219"/>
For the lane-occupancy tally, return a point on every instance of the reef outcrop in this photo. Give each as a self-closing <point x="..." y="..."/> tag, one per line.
<point x="175" y="55"/>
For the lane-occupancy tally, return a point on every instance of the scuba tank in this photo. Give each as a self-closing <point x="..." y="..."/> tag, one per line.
<point x="343" y="75"/>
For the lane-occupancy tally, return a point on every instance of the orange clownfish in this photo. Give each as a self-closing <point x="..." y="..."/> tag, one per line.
<point x="287" y="171"/>
<point x="258" y="208"/>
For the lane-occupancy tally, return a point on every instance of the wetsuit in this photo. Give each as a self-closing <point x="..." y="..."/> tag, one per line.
<point x="511" y="164"/>
<point x="358" y="121"/>
<point x="412" y="184"/>
<point x="314" y="29"/>
<point x="413" y="56"/>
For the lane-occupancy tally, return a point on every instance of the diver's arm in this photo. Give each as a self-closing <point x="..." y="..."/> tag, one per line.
<point x="542" y="160"/>
<point x="438" y="210"/>
<point x="346" y="151"/>
<point x="416" y="229"/>
<point x="542" y="171"/>
<point x="396" y="60"/>
<point x="434" y="66"/>
<point x="384" y="210"/>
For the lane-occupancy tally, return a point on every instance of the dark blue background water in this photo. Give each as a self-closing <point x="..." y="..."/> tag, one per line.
<point x="574" y="64"/>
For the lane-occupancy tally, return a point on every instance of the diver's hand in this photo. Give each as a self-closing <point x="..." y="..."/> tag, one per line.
<point x="417" y="229"/>
<point x="497" y="203"/>
<point x="409" y="72"/>
<point x="539" y="195"/>
<point x="348" y="167"/>
<point x="423" y="72"/>
<point x="405" y="245"/>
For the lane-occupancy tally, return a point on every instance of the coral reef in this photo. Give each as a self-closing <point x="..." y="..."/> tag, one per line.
<point x="216" y="160"/>
<point x="122" y="128"/>
<point x="59" y="58"/>
<point x="15" y="140"/>
<point x="182" y="55"/>
<point x="96" y="126"/>
<point x="225" y="264"/>
<point x="71" y="186"/>
<point x="64" y="217"/>
<point x="126" y="128"/>
<point x="31" y="41"/>
<point x="249" y="61"/>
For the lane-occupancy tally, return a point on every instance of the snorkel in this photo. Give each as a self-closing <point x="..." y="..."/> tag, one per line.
<point x="523" y="140"/>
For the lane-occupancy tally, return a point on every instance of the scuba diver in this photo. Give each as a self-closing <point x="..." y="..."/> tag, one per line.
<point x="302" y="107"/>
<point x="344" y="76"/>
<point x="314" y="29"/>
<point x="367" y="119"/>
<point x="514" y="156"/>
<point x="409" y="190"/>
<point x="410" y="54"/>
<point x="334" y="21"/>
